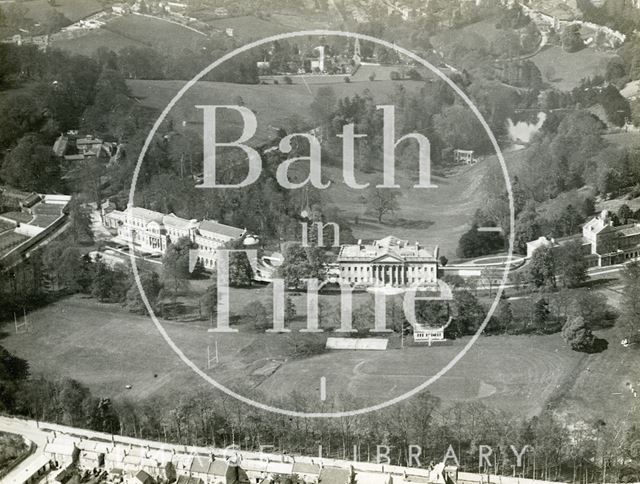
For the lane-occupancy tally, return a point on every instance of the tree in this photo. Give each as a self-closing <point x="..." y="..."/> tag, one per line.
<point x="302" y="263"/>
<point x="474" y="243"/>
<point x="528" y="228"/>
<point x="625" y="213"/>
<point x="616" y="69"/>
<point x="80" y="222"/>
<point x="289" y="310"/>
<point x="576" y="334"/>
<point x="108" y="285"/>
<point x="469" y="314"/>
<point x="541" y="314"/>
<point x="542" y="268"/>
<point x="101" y="286"/>
<point x="458" y="128"/>
<point x="209" y="300"/>
<point x="323" y="105"/>
<point x="443" y="260"/>
<point x="240" y="270"/>
<point x="593" y="308"/>
<point x="258" y="315"/>
<point x="151" y="285"/>
<point x="571" y="264"/>
<point x="630" y="304"/>
<point x="175" y="264"/>
<point x="571" y="38"/>
<point x="505" y="314"/>
<point x="382" y="201"/>
<point x="31" y="166"/>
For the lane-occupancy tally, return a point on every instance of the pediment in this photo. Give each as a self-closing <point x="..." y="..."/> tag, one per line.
<point x="389" y="258"/>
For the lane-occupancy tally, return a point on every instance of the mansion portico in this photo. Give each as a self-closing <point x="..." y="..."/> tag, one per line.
<point x="388" y="262"/>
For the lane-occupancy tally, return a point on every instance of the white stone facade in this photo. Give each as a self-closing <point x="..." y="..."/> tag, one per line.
<point x="152" y="232"/>
<point x="388" y="262"/>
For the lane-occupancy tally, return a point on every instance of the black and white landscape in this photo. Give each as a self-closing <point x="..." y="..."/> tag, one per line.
<point x="384" y="241"/>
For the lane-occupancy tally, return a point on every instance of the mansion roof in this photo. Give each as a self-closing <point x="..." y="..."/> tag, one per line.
<point x="147" y="216"/>
<point x="222" y="229"/>
<point x="389" y="249"/>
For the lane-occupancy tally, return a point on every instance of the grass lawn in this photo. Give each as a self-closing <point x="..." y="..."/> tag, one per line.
<point x="136" y="31"/>
<point x="248" y="27"/>
<point x="485" y="29"/>
<point x="294" y="101"/>
<point x="565" y="70"/>
<point x="108" y="348"/>
<point x="155" y="33"/>
<point x="74" y="10"/>
<point x="92" y="41"/>
<point x="434" y="216"/>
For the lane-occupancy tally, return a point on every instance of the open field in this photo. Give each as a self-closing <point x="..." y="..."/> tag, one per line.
<point x="93" y="40"/>
<point x="294" y="100"/>
<point x="485" y="29"/>
<point x="248" y="27"/>
<point x="74" y="10"/>
<point x="136" y="31"/>
<point x="434" y="216"/>
<point x="107" y="348"/>
<point x="565" y="70"/>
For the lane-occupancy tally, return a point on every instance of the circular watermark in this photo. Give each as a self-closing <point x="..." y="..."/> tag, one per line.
<point x="346" y="413"/>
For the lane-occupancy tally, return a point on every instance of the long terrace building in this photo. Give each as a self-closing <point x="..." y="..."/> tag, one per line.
<point x="152" y="232"/>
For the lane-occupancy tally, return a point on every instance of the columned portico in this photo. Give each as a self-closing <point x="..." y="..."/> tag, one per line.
<point x="389" y="261"/>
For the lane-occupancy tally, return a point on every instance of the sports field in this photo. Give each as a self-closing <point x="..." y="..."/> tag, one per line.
<point x="108" y="348"/>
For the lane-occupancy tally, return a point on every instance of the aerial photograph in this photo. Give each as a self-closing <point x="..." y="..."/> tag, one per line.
<point x="319" y="241"/>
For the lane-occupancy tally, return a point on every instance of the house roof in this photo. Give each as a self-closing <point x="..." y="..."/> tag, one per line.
<point x="189" y="480"/>
<point x="172" y="220"/>
<point x="220" y="229"/>
<point x="390" y="246"/>
<point x="334" y="475"/>
<point x="13" y="193"/>
<point x="61" y="448"/>
<point x="74" y="157"/>
<point x="200" y="464"/>
<point x="182" y="461"/>
<point x="60" y="146"/>
<point x="88" y="140"/>
<point x="372" y="478"/>
<point x="280" y="467"/>
<point x="629" y="230"/>
<point x="306" y="468"/>
<point x="218" y="468"/>
<point x="145" y="214"/>
<point x="143" y="477"/>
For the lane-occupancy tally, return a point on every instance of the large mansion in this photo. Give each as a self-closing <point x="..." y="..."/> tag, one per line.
<point x="603" y="244"/>
<point x="152" y="232"/>
<point x="388" y="262"/>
